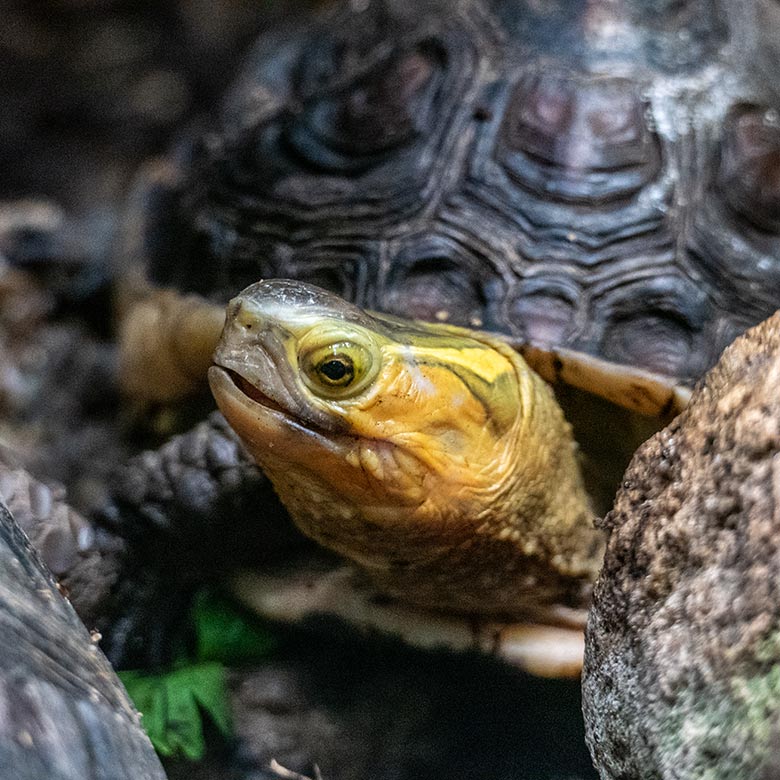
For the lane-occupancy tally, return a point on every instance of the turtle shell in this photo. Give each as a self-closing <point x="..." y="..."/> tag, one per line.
<point x="603" y="177"/>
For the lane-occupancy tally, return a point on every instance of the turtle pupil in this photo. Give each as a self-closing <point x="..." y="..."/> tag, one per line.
<point x="335" y="370"/>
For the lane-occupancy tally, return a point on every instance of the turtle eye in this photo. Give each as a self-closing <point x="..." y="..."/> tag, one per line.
<point x="337" y="370"/>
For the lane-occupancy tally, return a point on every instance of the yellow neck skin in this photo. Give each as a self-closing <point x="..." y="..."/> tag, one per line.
<point x="452" y="479"/>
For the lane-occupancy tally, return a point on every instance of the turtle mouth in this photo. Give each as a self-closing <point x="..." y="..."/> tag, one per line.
<point x="238" y="395"/>
<point x="252" y="392"/>
<point x="258" y="418"/>
<point x="228" y="381"/>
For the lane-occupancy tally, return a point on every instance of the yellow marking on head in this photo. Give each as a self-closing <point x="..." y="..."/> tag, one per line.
<point x="487" y="364"/>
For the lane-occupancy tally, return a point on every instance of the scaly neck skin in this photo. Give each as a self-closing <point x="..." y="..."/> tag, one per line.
<point x="503" y="534"/>
<point x="453" y="481"/>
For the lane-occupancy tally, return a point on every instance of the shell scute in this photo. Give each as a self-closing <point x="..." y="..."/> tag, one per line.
<point x="577" y="139"/>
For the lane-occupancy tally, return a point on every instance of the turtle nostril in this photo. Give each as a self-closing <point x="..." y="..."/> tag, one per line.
<point x="244" y="317"/>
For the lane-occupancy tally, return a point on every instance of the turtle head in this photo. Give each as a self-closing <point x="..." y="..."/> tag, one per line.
<point x="389" y="440"/>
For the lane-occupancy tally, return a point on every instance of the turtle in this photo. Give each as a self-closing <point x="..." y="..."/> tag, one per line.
<point x="430" y="455"/>
<point x="594" y="184"/>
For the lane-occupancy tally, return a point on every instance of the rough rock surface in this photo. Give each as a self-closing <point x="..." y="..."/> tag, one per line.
<point x="681" y="670"/>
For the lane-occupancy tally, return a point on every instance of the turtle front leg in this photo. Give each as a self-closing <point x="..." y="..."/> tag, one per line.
<point x="166" y="340"/>
<point x="189" y="513"/>
<point x="178" y="517"/>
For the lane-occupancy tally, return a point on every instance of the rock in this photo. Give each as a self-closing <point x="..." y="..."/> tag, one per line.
<point x="64" y="715"/>
<point x="681" y="675"/>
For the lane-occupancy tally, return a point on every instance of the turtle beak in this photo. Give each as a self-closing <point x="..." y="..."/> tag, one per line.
<point x="259" y="355"/>
<point x="253" y="349"/>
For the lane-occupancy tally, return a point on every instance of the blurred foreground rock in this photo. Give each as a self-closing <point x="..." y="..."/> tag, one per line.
<point x="682" y="667"/>
<point x="63" y="713"/>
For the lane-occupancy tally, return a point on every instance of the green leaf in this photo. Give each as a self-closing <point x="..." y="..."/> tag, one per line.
<point x="172" y="703"/>
<point x="171" y="706"/>
<point x="227" y="634"/>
